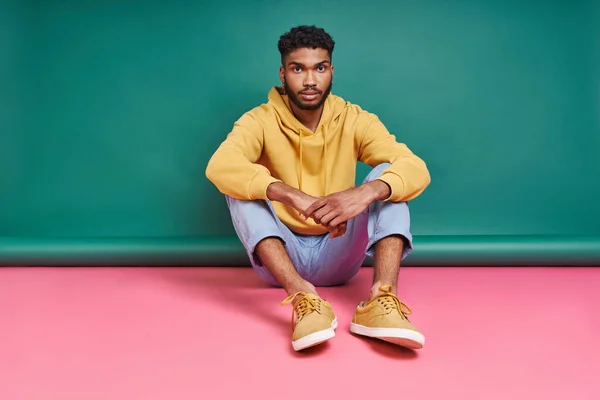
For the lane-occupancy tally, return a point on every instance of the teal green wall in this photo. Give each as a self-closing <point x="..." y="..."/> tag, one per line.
<point x="109" y="112"/>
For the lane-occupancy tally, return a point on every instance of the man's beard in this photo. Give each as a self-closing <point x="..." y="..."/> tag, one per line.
<point x="307" y="107"/>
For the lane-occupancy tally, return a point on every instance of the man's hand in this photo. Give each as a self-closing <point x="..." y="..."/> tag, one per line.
<point x="304" y="201"/>
<point x="338" y="208"/>
<point x="300" y="201"/>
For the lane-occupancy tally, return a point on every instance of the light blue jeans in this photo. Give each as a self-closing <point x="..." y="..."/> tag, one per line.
<point x="319" y="259"/>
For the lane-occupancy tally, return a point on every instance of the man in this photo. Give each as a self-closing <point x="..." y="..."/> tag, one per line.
<point x="288" y="169"/>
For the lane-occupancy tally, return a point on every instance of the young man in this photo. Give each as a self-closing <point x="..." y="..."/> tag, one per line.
<point x="288" y="169"/>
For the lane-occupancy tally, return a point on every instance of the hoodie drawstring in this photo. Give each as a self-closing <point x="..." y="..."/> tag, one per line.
<point x="323" y="159"/>
<point x="301" y="167"/>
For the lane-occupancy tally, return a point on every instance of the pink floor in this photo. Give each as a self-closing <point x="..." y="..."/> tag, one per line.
<point x="207" y="333"/>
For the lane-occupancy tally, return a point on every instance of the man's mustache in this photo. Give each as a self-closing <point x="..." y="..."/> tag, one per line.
<point x="311" y="89"/>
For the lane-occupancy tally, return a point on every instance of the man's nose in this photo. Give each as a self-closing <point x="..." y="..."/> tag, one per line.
<point x="309" y="79"/>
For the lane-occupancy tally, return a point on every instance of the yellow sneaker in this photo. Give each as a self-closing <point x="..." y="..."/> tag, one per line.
<point x="315" y="320"/>
<point x="385" y="317"/>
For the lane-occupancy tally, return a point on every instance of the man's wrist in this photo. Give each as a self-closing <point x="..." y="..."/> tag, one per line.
<point x="377" y="190"/>
<point x="282" y="193"/>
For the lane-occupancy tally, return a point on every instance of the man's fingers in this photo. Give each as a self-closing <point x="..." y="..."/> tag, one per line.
<point x="342" y="229"/>
<point x="330" y="207"/>
<point x="327" y="218"/>
<point x="337" y="221"/>
<point x="338" y="230"/>
<point x="321" y="213"/>
<point x="314" y="207"/>
<point x="335" y="232"/>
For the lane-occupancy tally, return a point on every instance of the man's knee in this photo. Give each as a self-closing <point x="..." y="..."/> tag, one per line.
<point x="255" y="222"/>
<point x="237" y="205"/>
<point x="251" y="215"/>
<point x="390" y="217"/>
<point x="377" y="171"/>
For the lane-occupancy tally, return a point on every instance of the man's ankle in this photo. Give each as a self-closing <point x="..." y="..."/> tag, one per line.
<point x="302" y="286"/>
<point x="378" y="284"/>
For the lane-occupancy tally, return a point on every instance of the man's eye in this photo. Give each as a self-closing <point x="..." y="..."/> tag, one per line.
<point x="297" y="69"/>
<point x="321" y="68"/>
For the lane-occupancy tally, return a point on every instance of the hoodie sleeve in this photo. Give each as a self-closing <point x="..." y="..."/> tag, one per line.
<point x="233" y="168"/>
<point x="407" y="176"/>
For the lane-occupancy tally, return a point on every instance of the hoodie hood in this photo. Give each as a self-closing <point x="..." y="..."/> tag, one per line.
<point x="332" y="109"/>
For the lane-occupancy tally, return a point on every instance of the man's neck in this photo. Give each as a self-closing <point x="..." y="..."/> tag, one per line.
<point x="308" y="118"/>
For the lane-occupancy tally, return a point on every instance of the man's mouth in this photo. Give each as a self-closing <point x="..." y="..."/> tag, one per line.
<point x="309" y="95"/>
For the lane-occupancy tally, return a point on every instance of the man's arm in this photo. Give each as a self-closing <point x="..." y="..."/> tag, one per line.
<point x="233" y="168"/>
<point x="407" y="176"/>
<point x="234" y="171"/>
<point x="405" y="179"/>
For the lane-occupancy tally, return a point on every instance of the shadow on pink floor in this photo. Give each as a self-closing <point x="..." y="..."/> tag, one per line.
<point x="240" y="289"/>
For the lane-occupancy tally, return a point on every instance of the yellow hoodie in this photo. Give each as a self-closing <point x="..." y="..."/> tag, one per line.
<point x="268" y="144"/>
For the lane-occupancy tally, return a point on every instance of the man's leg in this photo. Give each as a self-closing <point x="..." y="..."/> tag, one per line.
<point x="274" y="257"/>
<point x="279" y="258"/>
<point x="386" y="267"/>
<point x="383" y="315"/>
<point x="274" y="251"/>
<point x="382" y="231"/>
<point x="390" y="240"/>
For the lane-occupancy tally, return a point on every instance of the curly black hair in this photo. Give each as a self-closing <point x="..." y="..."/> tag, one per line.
<point x="305" y="36"/>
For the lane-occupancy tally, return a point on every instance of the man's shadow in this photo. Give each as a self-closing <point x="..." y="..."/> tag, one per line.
<point x="240" y="289"/>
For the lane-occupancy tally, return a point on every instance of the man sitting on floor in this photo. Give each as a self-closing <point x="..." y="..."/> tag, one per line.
<point x="288" y="170"/>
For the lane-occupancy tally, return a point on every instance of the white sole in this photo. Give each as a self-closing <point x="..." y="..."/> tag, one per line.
<point x="315" y="338"/>
<point x="402" y="337"/>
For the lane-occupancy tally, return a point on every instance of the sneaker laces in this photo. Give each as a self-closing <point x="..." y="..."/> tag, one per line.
<point x="306" y="303"/>
<point x="389" y="301"/>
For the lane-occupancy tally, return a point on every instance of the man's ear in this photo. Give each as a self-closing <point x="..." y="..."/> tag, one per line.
<point x="281" y="74"/>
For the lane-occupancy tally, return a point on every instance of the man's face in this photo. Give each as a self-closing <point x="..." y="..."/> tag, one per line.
<point x="307" y="77"/>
